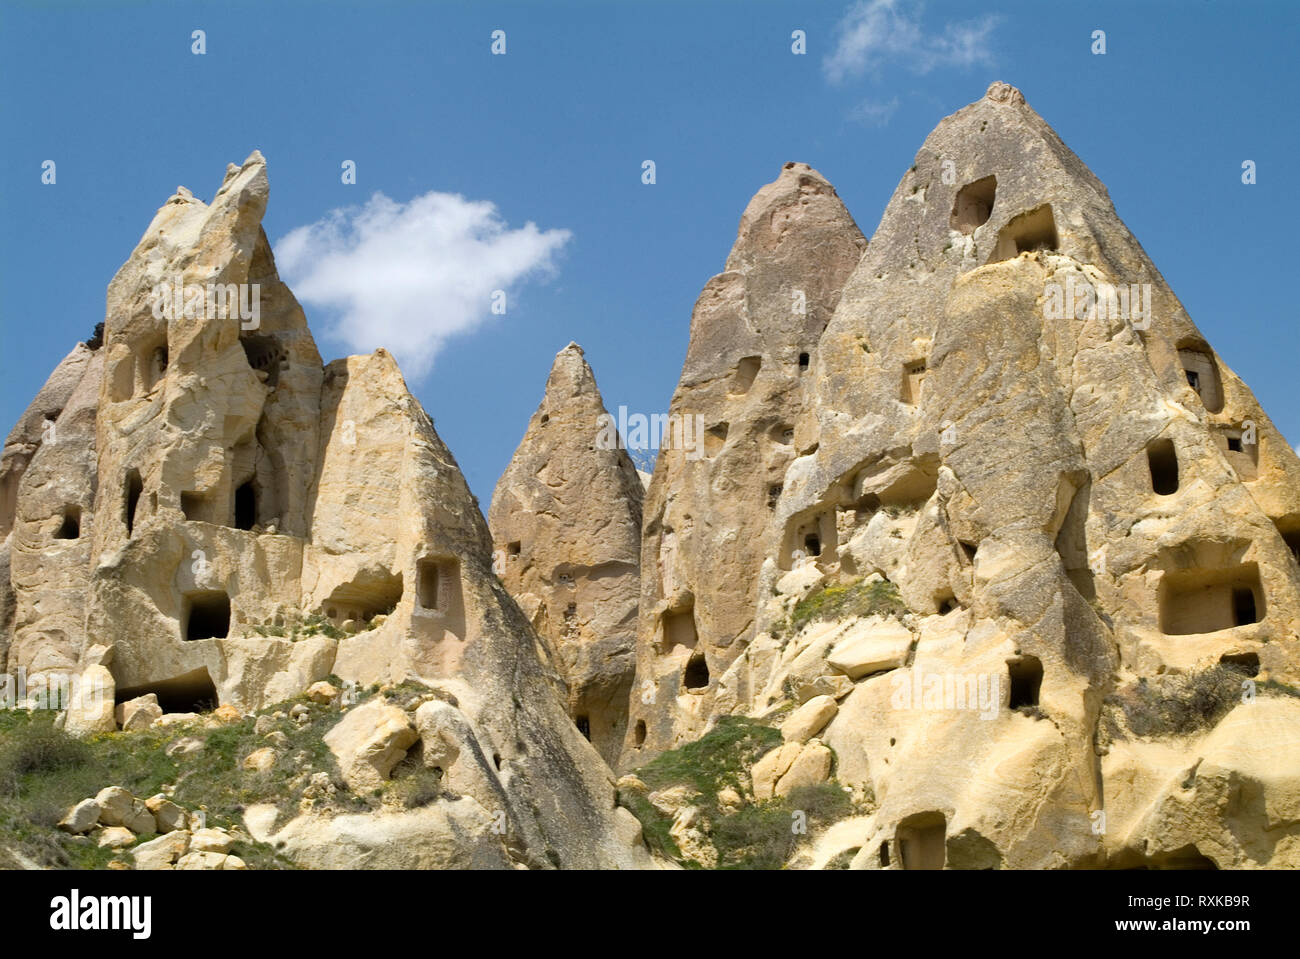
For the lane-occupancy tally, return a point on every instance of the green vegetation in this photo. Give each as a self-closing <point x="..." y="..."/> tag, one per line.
<point x="843" y="859"/>
<point x="718" y="759"/>
<point x="298" y="628"/>
<point x="1181" y="704"/>
<point x="757" y="834"/>
<point x="44" y="772"/>
<point x="844" y="601"/>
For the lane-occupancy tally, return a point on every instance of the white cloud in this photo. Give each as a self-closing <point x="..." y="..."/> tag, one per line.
<point x="876" y="31"/>
<point x="874" y="113"/>
<point x="407" y="276"/>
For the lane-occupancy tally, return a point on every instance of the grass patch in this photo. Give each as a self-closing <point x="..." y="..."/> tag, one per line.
<point x="758" y="835"/>
<point x="44" y="771"/>
<point x="301" y="627"/>
<point x="720" y="758"/>
<point x="879" y="597"/>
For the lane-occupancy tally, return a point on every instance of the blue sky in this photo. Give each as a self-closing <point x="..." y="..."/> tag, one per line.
<point x="554" y="133"/>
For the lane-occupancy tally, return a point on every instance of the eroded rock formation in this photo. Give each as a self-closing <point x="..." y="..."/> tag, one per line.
<point x="218" y="518"/>
<point x="566" y="525"/>
<point x="754" y="333"/>
<point x="992" y="487"/>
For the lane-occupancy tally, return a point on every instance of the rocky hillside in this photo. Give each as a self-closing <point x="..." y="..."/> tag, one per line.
<point x="963" y="549"/>
<point x="200" y="513"/>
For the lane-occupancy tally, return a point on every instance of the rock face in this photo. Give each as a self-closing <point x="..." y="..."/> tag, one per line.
<point x="745" y="381"/>
<point x="566" y="526"/>
<point x="251" y="521"/>
<point x="974" y="513"/>
<point x="1010" y="502"/>
<point x="47" y="494"/>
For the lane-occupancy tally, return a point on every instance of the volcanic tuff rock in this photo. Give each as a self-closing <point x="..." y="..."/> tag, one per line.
<point x="707" y="512"/>
<point x="1010" y="556"/>
<point x="566" y="524"/>
<point x="47" y="491"/>
<point x="1055" y="506"/>
<point x="236" y="521"/>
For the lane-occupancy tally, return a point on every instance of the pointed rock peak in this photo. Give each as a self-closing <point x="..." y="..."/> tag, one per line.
<point x="251" y="177"/>
<point x="800" y="201"/>
<point x="571" y="376"/>
<point x="999" y="92"/>
<point x="183" y="195"/>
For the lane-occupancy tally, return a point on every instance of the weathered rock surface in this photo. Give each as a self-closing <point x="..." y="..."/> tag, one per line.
<point x="92" y="709"/>
<point x="1035" y="499"/>
<point x="369" y="742"/>
<point x="566" y="528"/>
<point x="952" y="500"/>
<point x="743" y="387"/>
<point x="241" y="506"/>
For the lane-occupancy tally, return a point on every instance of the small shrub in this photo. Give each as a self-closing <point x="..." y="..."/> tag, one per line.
<point x="1176" y="705"/>
<point x="759" y="836"/>
<point x="38" y="748"/>
<point x="860" y="599"/>
<point x="842" y="860"/>
<point x="823" y="802"/>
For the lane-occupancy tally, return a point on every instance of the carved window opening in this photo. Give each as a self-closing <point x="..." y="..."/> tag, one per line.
<point x="696" y="674"/>
<point x="131" y="499"/>
<point x="746" y="371"/>
<point x="974" y="205"/>
<point x="207" y="615"/>
<point x="1162" y="460"/>
<point x="1025" y="676"/>
<point x="70" y="527"/>
<point x="1196" y="601"/>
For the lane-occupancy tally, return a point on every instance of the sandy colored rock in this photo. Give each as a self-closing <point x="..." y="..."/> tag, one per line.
<point x="744" y="384"/>
<point x="163" y="852"/>
<point x="809" y="719"/>
<point x="322" y="692"/>
<point x="877" y="645"/>
<point x="185" y="746"/>
<point x="260" y="760"/>
<point x="566" y="530"/>
<point x="238" y="498"/>
<point x="690" y="838"/>
<point x="810" y="768"/>
<point x="771" y="767"/>
<point x="456" y="834"/>
<point x="225" y="715"/>
<point x="211" y="840"/>
<point x="117" y="807"/>
<point x="369" y="741"/>
<point x="47" y="490"/>
<point x="115" y="837"/>
<point x="81" y="818"/>
<point x="92" y="709"/>
<point x="138" y="713"/>
<point x="672" y="800"/>
<point x="202" y="860"/>
<point x="168" y="816"/>
<point x="1051" y="489"/>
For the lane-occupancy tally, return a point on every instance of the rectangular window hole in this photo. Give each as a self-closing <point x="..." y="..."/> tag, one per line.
<point x="207" y="615"/>
<point x="1162" y="460"/>
<point x="1195" y="601"/>
<point x="70" y="528"/>
<point x="1025" y="676"/>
